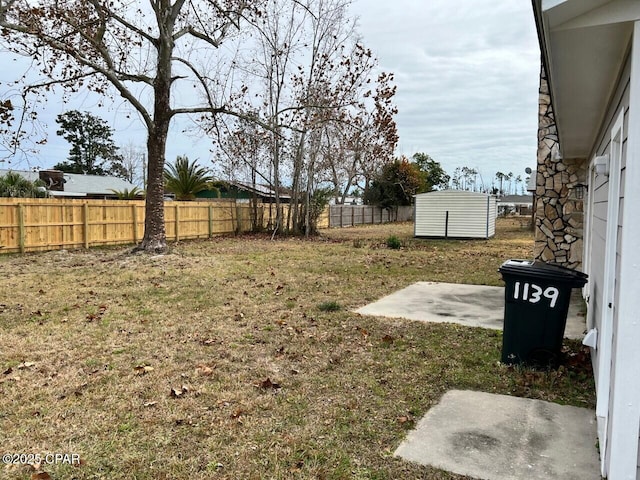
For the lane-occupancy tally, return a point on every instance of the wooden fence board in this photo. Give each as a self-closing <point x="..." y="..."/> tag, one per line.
<point x="39" y="224"/>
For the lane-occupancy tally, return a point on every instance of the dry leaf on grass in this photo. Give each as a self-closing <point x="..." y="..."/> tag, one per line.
<point x="388" y="339"/>
<point x="267" y="384"/>
<point x="205" y="370"/>
<point x="179" y="392"/>
<point x="40" y="476"/>
<point x="143" y="369"/>
<point x="236" y="413"/>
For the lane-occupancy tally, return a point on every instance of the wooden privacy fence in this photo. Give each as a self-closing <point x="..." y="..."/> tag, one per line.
<point x="30" y="224"/>
<point x="351" y="215"/>
<point x="39" y="224"/>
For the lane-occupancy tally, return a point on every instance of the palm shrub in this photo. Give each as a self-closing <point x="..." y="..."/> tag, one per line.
<point x="185" y="179"/>
<point x="126" y="194"/>
<point x="13" y="184"/>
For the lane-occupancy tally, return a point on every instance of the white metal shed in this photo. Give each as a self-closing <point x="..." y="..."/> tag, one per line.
<point x="455" y="214"/>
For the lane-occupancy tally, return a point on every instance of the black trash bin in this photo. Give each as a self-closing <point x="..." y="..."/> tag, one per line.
<point x="537" y="297"/>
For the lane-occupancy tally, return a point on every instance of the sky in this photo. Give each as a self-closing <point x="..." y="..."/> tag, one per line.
<point x="466" y="73"/>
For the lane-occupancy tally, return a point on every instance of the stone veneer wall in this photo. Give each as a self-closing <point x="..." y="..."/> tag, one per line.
<point x="559" y="212"/>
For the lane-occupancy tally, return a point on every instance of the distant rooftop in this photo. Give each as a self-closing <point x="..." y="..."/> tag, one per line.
<point x="79" y="185"/>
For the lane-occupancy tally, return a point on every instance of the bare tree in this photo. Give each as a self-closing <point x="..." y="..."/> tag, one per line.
<point x="316" y="74"/>
<point x="134" y="163"/>
<point x="142" y="50"/>
<point x="20" y="134"/>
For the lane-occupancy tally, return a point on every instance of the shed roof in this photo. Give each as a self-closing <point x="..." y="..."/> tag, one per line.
<point x="455" y="192"/>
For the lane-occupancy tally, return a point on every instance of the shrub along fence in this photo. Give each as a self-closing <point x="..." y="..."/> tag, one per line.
<point x="39" y="224"/>
<point x="351" y="215"/>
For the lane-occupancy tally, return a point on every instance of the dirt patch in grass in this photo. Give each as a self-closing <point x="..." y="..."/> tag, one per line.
<point x="219" y="361"/>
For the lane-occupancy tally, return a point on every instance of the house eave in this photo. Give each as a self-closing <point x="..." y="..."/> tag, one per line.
<point x="583" y="45"/>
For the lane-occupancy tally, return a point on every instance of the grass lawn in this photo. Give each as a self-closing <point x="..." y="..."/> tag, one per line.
<point x="239" y="358"/>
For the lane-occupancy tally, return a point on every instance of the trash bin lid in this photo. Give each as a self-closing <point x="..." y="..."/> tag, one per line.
<point x="541" y="270"/>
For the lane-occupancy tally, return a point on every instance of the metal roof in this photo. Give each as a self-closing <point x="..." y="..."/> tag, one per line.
<point x="81" y="185"/>
<point x="259" y="189"/>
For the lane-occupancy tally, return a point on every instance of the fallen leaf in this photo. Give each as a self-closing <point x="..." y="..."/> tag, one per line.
<point x="40" y="476"/>
<point x="143" y="369"/>
<point x="388" y="339"/>
<point x="26" y="365"/>
<point x="149" y="404"/>
<point x="204" y="370"/>
<point x="267" y="384"/>
<point x="8" y="371"/>
<point x="236" y="413"/>
<point x="179" y="392"/>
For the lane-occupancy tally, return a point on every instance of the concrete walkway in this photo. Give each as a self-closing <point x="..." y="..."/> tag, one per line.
<point x="489" y="436"/>
<point x="471" y="305"/>
<point x="497" y="437"/>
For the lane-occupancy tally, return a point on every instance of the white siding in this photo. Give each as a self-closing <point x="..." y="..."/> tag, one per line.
<point x="469" y="214"/>
<point x="600" y="191"/>
<point x="596" y="249"/>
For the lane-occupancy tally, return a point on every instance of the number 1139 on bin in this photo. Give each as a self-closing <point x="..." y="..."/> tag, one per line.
<point x="534" y="293"/>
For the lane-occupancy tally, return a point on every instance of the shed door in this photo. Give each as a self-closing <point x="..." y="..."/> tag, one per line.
<point x="606" y="358"/>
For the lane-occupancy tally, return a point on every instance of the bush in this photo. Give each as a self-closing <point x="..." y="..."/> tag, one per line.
<point x="393" y="242"/>
<point x="330" y="306"/>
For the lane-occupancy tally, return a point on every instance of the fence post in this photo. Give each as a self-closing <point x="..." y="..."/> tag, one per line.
<point x="177" y="222"/>
<point x="353" y="217"/>
<point x="134" y="215"/>
<point x="341" y="207"/>
<point x="21" y="230"/>
<point x="210" y="221"/>
<point x="85" y="222"/>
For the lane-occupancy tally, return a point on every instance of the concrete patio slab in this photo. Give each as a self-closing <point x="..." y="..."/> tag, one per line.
<point x="498" y="437"/>
<point x="470" y="305"/>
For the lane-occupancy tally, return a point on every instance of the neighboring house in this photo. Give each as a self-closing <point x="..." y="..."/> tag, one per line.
<point x="346" y="201"/>
<point x="73" y="185"/>
<point x="520" y="204"/>
<point x="244" y="191"/>
<point x="588" y="195"/>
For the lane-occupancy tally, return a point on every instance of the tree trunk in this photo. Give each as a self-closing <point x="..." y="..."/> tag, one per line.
<point x="155" y="237"/>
